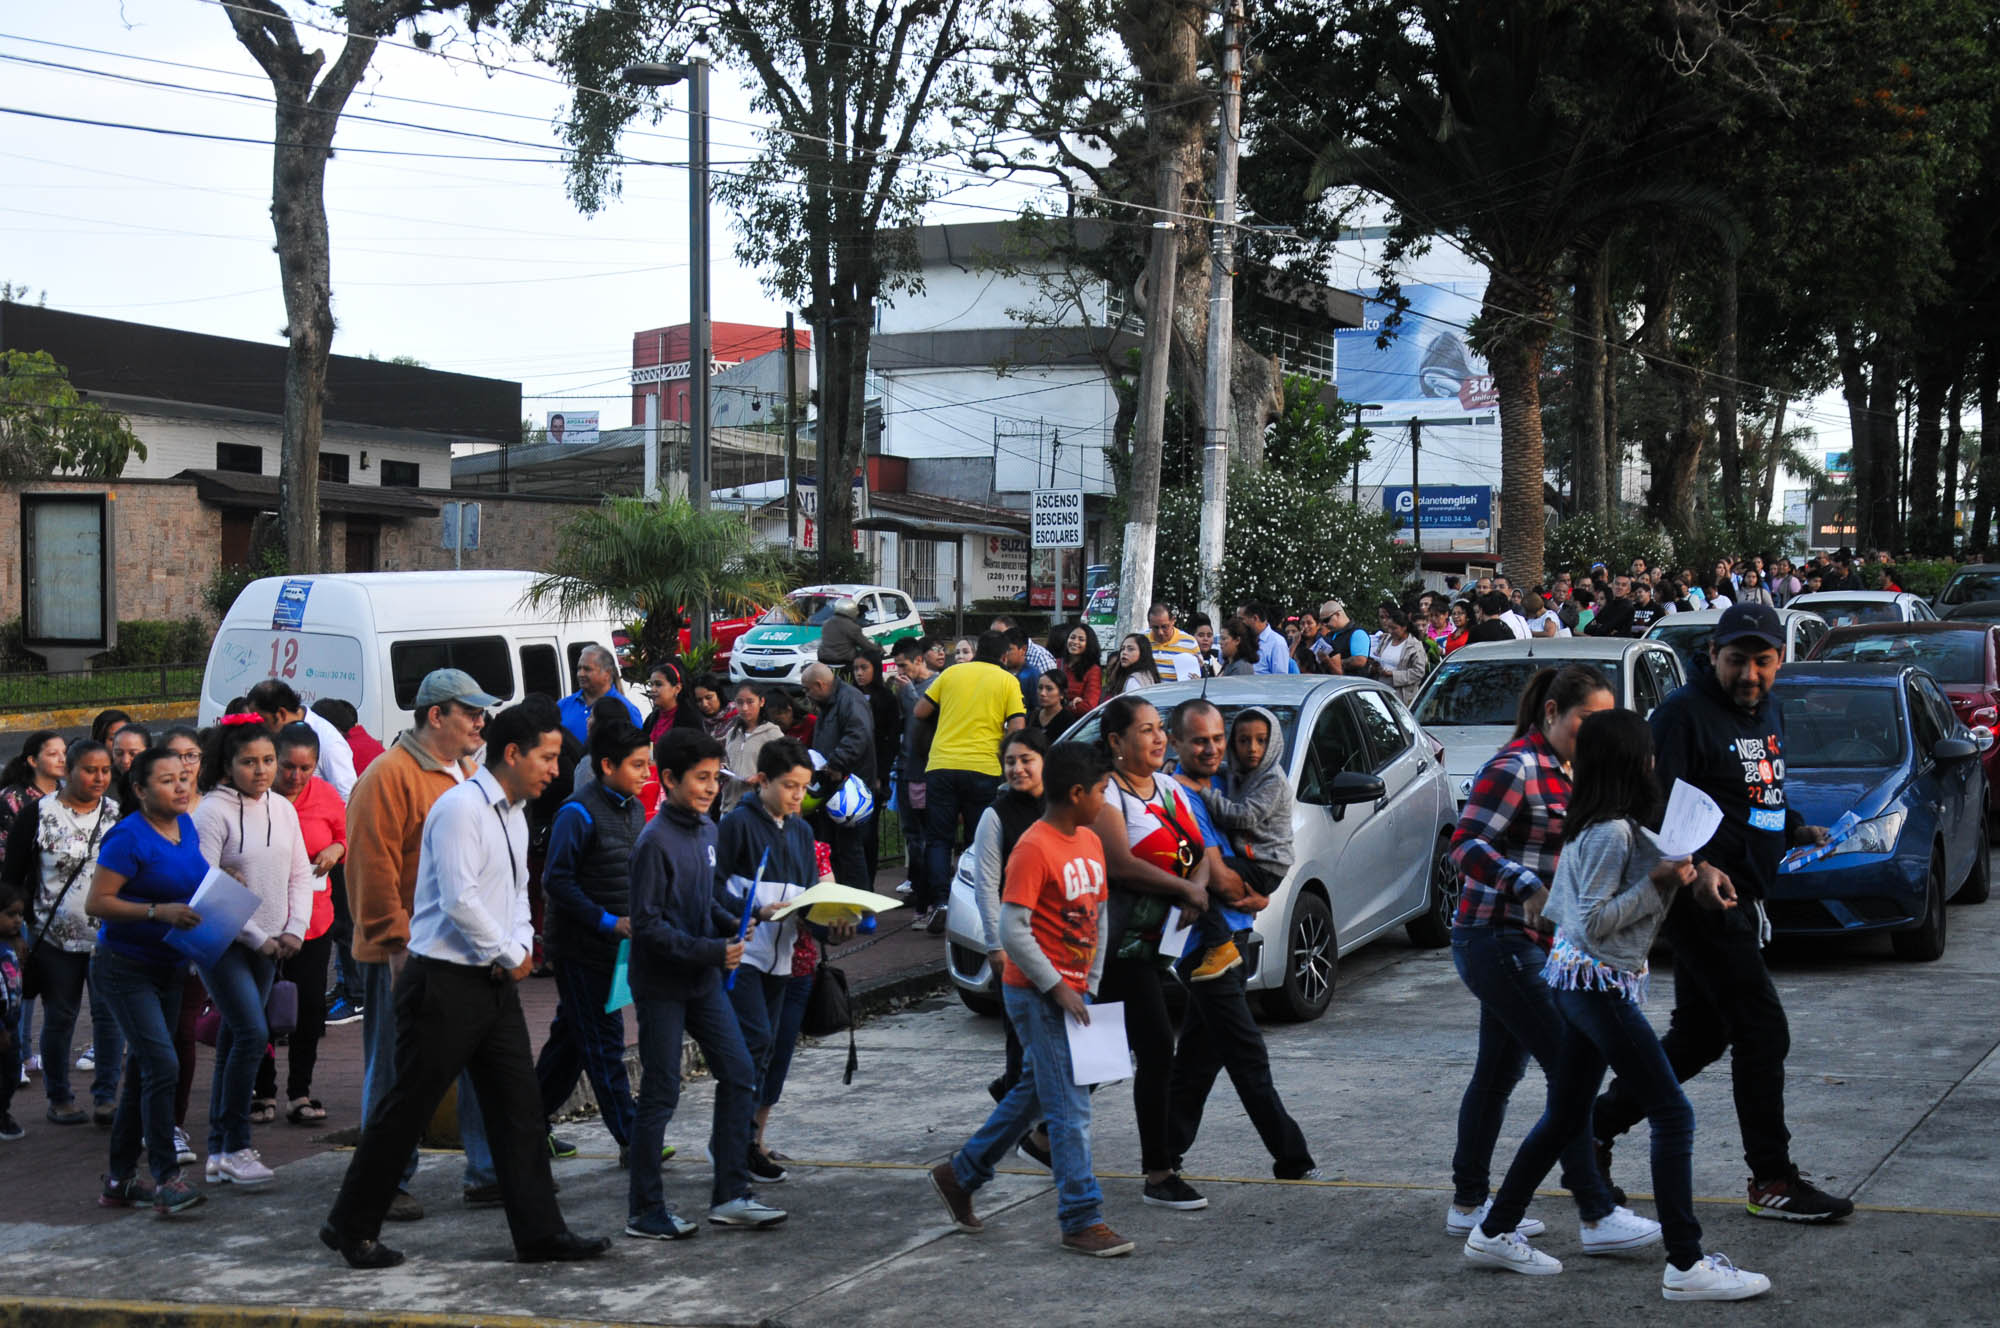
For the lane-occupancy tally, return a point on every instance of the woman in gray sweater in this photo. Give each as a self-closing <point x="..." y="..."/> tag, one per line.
<point x="1609" y="896"/>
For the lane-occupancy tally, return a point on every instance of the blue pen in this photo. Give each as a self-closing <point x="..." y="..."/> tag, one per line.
<point x="749" y="909"/>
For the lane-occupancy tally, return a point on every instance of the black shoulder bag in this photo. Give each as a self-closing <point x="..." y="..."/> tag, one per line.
<point x="31" y="983"/>
<point x="830" y="1010"/>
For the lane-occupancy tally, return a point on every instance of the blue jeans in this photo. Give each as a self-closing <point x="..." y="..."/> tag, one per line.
<point x="954" y="800"/>
<point x="65" y="976"/>
<point x="759" y="1001"/>
<point x="145" y="999"/>
<point x="378" y="1076"/>
<point x="238" y="984"/>
<point x="1613" y="1031"/>
<point x="585" y="1039"/>
<point x="916" y="841"/>
<point x="791" y="1017"/>
<point x="1045" y="1091"/>
<point x="712" y="1023"/>
<point x="1517" y="1019"/>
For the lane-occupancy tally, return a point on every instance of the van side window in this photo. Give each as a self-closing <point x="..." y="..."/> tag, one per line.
<point x="486" y="658"/>
<point x="541" y="673"/>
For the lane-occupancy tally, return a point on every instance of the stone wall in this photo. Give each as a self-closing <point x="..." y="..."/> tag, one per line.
<point x="517" y="532"/>
<point x="165" y="544"/>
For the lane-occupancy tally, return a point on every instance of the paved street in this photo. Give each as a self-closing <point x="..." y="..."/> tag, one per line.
<point x="1894" y="1086"/>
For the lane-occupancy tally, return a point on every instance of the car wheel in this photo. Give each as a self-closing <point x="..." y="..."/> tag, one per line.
<point x="1432" y="928"/>
<point x="1979" y="881"/>
<point x="1925" y="941"/>
<point x="980" y="1003"/>
<point x="1312" y="964"/>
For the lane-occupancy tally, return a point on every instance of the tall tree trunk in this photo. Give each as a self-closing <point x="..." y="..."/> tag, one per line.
<point x="1881" y="528"/>
<point x="1587" y="318"/>
<point x="1774" y="448"/>
<point x="1954" y="439"/>
<point x="1933" y="386"/>
<point x="1981" y="535"/>
<point x="1142" y="512"/>
<point x="1728" y="445"/>
<point x="1520" y="308"/>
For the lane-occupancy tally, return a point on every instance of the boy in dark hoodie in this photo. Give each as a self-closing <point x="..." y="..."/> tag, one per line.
<point x="683" y="941"/>
<point x="1255" y="808"/>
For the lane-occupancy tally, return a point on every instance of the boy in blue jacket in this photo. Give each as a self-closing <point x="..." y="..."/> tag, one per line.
<point x="683" y="940"/>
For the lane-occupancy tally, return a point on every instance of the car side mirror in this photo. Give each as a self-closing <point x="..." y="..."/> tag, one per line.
<point x="1350" y="787"/>
<point x="1982" y="737"/>
<point x="1957" y="749"/>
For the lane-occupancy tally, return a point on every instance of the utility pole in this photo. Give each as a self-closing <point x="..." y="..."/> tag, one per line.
<point x="1354" y="476"/>
<point x="700" y="348"/>
<point x="1142" y="525"/>
<point x="1417" y="495"/>
<point x="791" y="434"/>
<point x="1221" y="318"/>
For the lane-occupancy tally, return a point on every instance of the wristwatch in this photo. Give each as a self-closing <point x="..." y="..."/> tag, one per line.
<point x="149" y="911"/>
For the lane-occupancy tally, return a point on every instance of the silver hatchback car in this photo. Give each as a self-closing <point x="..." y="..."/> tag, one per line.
<point x="1372" y="818"/>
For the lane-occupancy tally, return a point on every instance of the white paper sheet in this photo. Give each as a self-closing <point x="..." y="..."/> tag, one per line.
<point x="1097" y="1051"/>
<point x="1174" y="937"/>
<point x="1691" y="821"/>
<point x="224" y="904"/>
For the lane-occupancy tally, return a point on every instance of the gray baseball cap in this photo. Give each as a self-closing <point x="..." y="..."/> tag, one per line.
<point x="442" y="685"/>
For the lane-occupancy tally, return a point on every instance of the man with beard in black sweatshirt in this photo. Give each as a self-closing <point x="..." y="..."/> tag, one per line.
<point x="1723" y="734"/>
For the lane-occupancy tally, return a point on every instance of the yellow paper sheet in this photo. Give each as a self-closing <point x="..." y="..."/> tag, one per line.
<point x="828" y="903"/>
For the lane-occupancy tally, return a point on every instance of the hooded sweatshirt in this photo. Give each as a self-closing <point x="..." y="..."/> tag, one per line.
<point x="679" y="932"/>
<point x="257" y="840"/>
<point x="1257" y="803"/>
<point x="740" y="749"/>
<point x="746" y="835"/>
<point x="1737" y="757"/>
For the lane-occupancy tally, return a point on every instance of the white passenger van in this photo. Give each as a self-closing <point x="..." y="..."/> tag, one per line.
<point x="369" y="638"/>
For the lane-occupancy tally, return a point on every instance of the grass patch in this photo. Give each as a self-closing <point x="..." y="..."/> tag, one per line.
<point x="55" y="691"/>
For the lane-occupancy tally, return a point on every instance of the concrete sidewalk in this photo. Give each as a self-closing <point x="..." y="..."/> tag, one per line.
<point x="1894" y="1085"/>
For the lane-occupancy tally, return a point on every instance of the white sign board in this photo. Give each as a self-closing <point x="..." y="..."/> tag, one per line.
<point x="1055" y="519"/>
<point x="572" y="426"/>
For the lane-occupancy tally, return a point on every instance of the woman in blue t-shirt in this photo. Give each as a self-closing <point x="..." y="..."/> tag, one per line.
<point x="148" y="867"/>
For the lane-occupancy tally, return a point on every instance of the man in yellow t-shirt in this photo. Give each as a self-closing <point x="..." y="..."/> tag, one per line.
<point x="1177" y="653"/>
<point x="975" y="703"/>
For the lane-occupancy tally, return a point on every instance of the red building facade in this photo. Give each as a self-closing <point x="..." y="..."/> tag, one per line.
<point x="660" y="361"/>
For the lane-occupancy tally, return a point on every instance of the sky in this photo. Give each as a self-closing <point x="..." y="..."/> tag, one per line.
<point x="475" y="265"/>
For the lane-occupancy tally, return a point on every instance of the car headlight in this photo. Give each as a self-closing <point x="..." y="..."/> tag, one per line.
<point x="1876" y="836"/>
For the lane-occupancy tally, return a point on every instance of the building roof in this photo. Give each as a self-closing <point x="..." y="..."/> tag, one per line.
<point x="228" y="488"/>
<point x="106" y="355"/>
<point x="924" y="514"/>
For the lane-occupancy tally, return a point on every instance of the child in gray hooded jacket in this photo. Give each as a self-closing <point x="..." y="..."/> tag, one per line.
<point x="1254" y="806"/>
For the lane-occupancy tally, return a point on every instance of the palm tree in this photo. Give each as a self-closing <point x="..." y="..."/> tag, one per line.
<point x="1507" y="128"/>
<point x="658" y="560"/>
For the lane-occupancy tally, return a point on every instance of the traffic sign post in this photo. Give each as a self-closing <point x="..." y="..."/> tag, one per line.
<point x="1055" y="521"/>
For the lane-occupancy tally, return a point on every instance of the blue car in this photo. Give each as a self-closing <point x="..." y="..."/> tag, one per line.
<point x="1881" y="741"/>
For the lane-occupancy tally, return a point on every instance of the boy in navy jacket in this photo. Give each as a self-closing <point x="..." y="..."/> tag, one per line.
<point x="683" y="941"/>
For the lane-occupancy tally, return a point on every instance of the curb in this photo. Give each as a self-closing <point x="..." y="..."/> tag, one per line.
<point x="80" y="717"/>
<point x="64" y="1312"/>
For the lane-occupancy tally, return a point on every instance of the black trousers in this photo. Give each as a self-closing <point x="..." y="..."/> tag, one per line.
<point x="1150" y="1034"/>
<point x="307" y="969"/>
<point x="1724" y="1001"/>
<point x="1217" y="1034"/>
<point x="452" y="1018"/>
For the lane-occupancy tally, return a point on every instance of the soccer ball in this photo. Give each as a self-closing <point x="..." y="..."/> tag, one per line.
<point x="852" y="803"/>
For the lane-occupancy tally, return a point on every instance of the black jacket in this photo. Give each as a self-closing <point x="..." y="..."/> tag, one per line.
<point x="1615" y="619"/>
<point x="845" y="734"/>
<point x="1736" y="757"/>
<point x="840" y="639"/>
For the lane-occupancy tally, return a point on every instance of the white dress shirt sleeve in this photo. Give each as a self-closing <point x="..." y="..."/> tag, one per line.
<point x="336" y="756"/>
<point x="464" y="836"/>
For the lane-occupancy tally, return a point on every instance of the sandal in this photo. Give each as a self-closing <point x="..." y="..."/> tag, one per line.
<point x="66" y="1113"/>
<point x="306" y="1111"/>
<point x="263" y="1110"/>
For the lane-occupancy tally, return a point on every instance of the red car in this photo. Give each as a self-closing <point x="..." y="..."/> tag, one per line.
<point x="723" y="630"/>
<point x="1962" y="654"/>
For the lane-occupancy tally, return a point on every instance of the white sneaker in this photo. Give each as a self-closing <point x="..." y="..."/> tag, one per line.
<point x="243" y="1167"/>
<point x="32" y="1065"/>
<point x="1714" y="1278"/>
<point x="745" y="1212"/>
<point x="1462" y="1224"/>
<point x="905" y="889"/>
<point x="184" y="1150"/>
<point x="1512" y="1252"/>
<point x="1622" y="1229"/>
<point x="212" y="1169"/>
<point x="88" y="1059"/>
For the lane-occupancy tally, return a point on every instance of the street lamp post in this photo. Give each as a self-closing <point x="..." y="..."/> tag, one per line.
<point x="1354" y="477"/>
<point x="700" y="350"/>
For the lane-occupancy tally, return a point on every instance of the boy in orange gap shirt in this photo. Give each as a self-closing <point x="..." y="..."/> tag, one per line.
<point x="1052" y="925"/>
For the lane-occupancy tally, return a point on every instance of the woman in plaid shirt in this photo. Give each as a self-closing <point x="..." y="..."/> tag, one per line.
<point x="1505" y="850"/>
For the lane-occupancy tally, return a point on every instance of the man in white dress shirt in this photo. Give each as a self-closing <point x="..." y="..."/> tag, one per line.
<point x="457" y="1008"/>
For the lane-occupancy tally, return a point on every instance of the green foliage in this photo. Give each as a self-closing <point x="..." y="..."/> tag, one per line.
<point x="1289" y="541"/>
<point x="658" y="560"/>
<point x="700" y="657"/>
<point x="1924" y="577"/>
<point x="47" y="428"/>
<point x="1312" y="439"/>
<point x="156" y="641"/>
<point x="790" y="568"/>
<point x="226" y="583"/>
<point x="1582" y="540"/>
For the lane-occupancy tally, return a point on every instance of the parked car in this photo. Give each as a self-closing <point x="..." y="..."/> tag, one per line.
<point x="368" y="638"/>
<point x="1963" y="656"/>
<point x="1881" y="741"/>
<point x="1976" y="610"/>
<point x="1371" y="823"/>
<point x="1468" y="703"/>
<point x="1842" y="608"/>
<point x="786" y="638"/>
<point x="723" y="631"/>
<point x="1969" y="585"/>
<point x="1688" y="633"/>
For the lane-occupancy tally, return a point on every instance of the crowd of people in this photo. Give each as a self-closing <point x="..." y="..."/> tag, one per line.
<point x="417" y="884"/>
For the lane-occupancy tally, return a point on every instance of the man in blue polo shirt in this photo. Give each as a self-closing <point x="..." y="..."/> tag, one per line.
<point x="596" y="675"/>
<point x="1217" y="1030"/>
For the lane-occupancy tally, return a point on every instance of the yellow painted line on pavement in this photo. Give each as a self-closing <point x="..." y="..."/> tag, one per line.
<point x="78" y="716"/>
<point x="68" y="1312"/>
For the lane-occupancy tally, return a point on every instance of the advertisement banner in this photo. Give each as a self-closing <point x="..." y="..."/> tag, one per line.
<point x="1445" y="506"/>
<point x="572" y="426"/>
<point x="1426" y="371"/>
